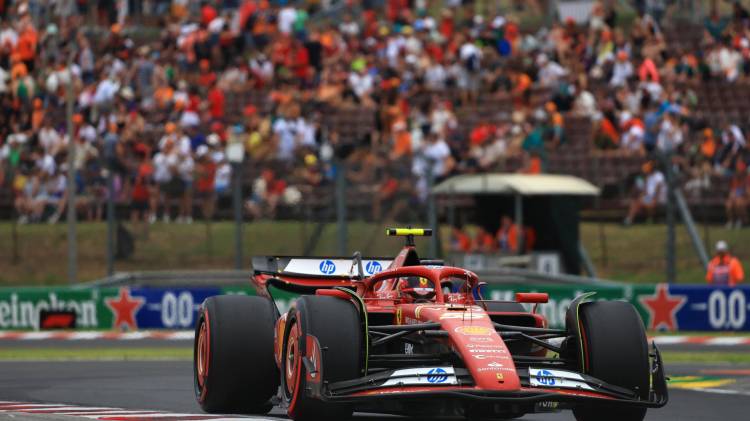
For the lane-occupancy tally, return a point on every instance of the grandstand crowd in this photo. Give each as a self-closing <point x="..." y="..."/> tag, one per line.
<point x="156" y="104"/>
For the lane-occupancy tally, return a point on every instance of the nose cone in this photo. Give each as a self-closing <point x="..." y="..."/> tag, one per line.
<point x="474" y="338"/>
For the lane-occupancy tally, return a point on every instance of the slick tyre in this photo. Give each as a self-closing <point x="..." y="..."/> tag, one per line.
<point x="233" y="360"/>
<point x="335" y="324"/>
<point x="615" y="349"/>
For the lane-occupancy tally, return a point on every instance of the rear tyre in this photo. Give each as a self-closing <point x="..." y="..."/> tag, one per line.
<point x="233" y="360"/>
<point x="616" y="351"/>
<point x="336" y="325"/>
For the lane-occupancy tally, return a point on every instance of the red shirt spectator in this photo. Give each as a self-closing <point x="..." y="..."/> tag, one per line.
<point x="216" y="103"/>
<point x="208" y="13"/>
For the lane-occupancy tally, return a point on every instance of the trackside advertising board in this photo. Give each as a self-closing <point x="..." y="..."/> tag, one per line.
<point x="662" y="307"/>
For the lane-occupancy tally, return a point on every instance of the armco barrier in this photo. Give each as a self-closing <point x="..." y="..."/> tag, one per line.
<point x="662" y="307"/>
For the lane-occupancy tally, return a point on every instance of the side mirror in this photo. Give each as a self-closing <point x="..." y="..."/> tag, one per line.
<point x="532" y="297"/>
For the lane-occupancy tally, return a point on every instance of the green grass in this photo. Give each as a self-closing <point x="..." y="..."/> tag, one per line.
<point x="96" y="354"/>
<point x="735" y="358"/>
<point x="634" y="254"/>
<point x="186" y="354"/>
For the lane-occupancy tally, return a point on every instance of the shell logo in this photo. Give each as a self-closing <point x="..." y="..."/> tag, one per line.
<point x="473" y="330"/>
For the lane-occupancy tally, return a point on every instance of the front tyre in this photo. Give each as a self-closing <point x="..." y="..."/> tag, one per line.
<point x="331" y="327"/>
<point x="233" y="360"/>
<point x="615" y="350"/>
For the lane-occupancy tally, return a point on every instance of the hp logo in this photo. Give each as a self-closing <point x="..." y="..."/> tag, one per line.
<point x="437" y="375"/>
<point x="545" y="377"/>
<point x="327" y="267"/>
<point x="372" y="267"/>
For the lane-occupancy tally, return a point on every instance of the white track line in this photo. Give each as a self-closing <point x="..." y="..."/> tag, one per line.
<point x="105" y="413"/>
<point x="727" y="341"/>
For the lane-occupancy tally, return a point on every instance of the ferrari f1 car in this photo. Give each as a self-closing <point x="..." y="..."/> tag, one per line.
<point x="414" y="337"/>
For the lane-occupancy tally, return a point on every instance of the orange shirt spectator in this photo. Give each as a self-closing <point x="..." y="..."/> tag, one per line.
<point x="535" y="165"/>
<point x="708" y="146"/>
<point x="37" y="116"/>
<point x="507" y="236"/>
<point x="26" y="47"/>
<point x="460" y="241"/>
<point x="724" y="269"/>
<point x="401" y="141"/>
<point x="484" y="241"/>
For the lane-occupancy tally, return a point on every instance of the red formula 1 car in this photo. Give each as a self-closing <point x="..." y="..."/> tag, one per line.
<point x="414" y="337"/>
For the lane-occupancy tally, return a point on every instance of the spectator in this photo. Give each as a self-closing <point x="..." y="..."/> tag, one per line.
<point x="143" y="191"/>
<point x="205" y="182"/>
<point x="460" y="242"/>
<point x="739" y="194"/>
<point x="266" y="195"/>
<point x="724" y="269"/>
<point x="652" y="193"/>
<point x="508" y="238"/>
<point x="484" y="241"/>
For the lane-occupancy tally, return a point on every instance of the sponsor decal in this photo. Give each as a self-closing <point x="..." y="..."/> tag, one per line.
<point x="662" y="308"/>
<point x="21" y="310"/>
<point x="486" y="346"/>
<point x="327" y="267"/>
<point x="125" y="307"/>
<point x="408" y="348"/>
<point x="474" y="330"/>
<point x="545" y="378"/>
<point x="557" y="378"/>
<point x="372" y="267"/>
<point x="484" y="357"/>
<point x="495" y="369"/>
<point x="422" y="376"/>
<point x="490" y="351"/>
<point x="462" y="316"/>
<point x="437" y="375"/>
<point x="494" y="364"/>
<point x="410" y="321"/>
<point x="547" y="405"/>
<point x="481" y="339"/>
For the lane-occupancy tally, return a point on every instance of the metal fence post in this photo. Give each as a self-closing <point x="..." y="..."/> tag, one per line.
<point x="341" y="207"/>
<point x="432" y="212"/>
<point x="237" y="204"/>
<point x="670" y="210"/>
<point x="71" y="183"/>
<point x="110" y="220"/>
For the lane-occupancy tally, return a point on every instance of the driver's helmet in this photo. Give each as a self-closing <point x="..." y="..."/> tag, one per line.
<point x="421" y="286"/>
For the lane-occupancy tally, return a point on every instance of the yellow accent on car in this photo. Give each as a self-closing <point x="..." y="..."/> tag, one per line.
<point x="418" y="232"/>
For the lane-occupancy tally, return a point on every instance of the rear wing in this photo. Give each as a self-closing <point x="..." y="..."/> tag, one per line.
<point x="319" y="267"/>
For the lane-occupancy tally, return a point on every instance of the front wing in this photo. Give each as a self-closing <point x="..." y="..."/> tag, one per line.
<point x="542" y="389"/>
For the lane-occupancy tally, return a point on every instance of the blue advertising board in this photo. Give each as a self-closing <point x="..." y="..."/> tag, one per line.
<point x="697" y="308"/>
<point x="170" y="308"/>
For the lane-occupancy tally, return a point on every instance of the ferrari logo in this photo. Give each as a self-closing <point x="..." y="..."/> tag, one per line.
<point x="399" y="316"/>
<point x="423" y="282"/>
<point x="500" y="378"/>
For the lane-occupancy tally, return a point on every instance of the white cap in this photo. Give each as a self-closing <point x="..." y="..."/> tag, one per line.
<point x="213" y="139"/>
<point x="722" y="246"/>
<point x="201" y="151"/>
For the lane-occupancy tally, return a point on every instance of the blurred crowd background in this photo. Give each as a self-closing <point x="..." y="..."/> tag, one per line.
<point x="393" y="94"/>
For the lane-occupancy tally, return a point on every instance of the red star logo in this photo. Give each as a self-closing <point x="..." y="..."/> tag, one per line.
<point x="124" y="307"/>
<point x="662" y="307"/>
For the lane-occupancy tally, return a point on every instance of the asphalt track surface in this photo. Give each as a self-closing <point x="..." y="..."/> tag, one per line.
<point x="167" y="386"/>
